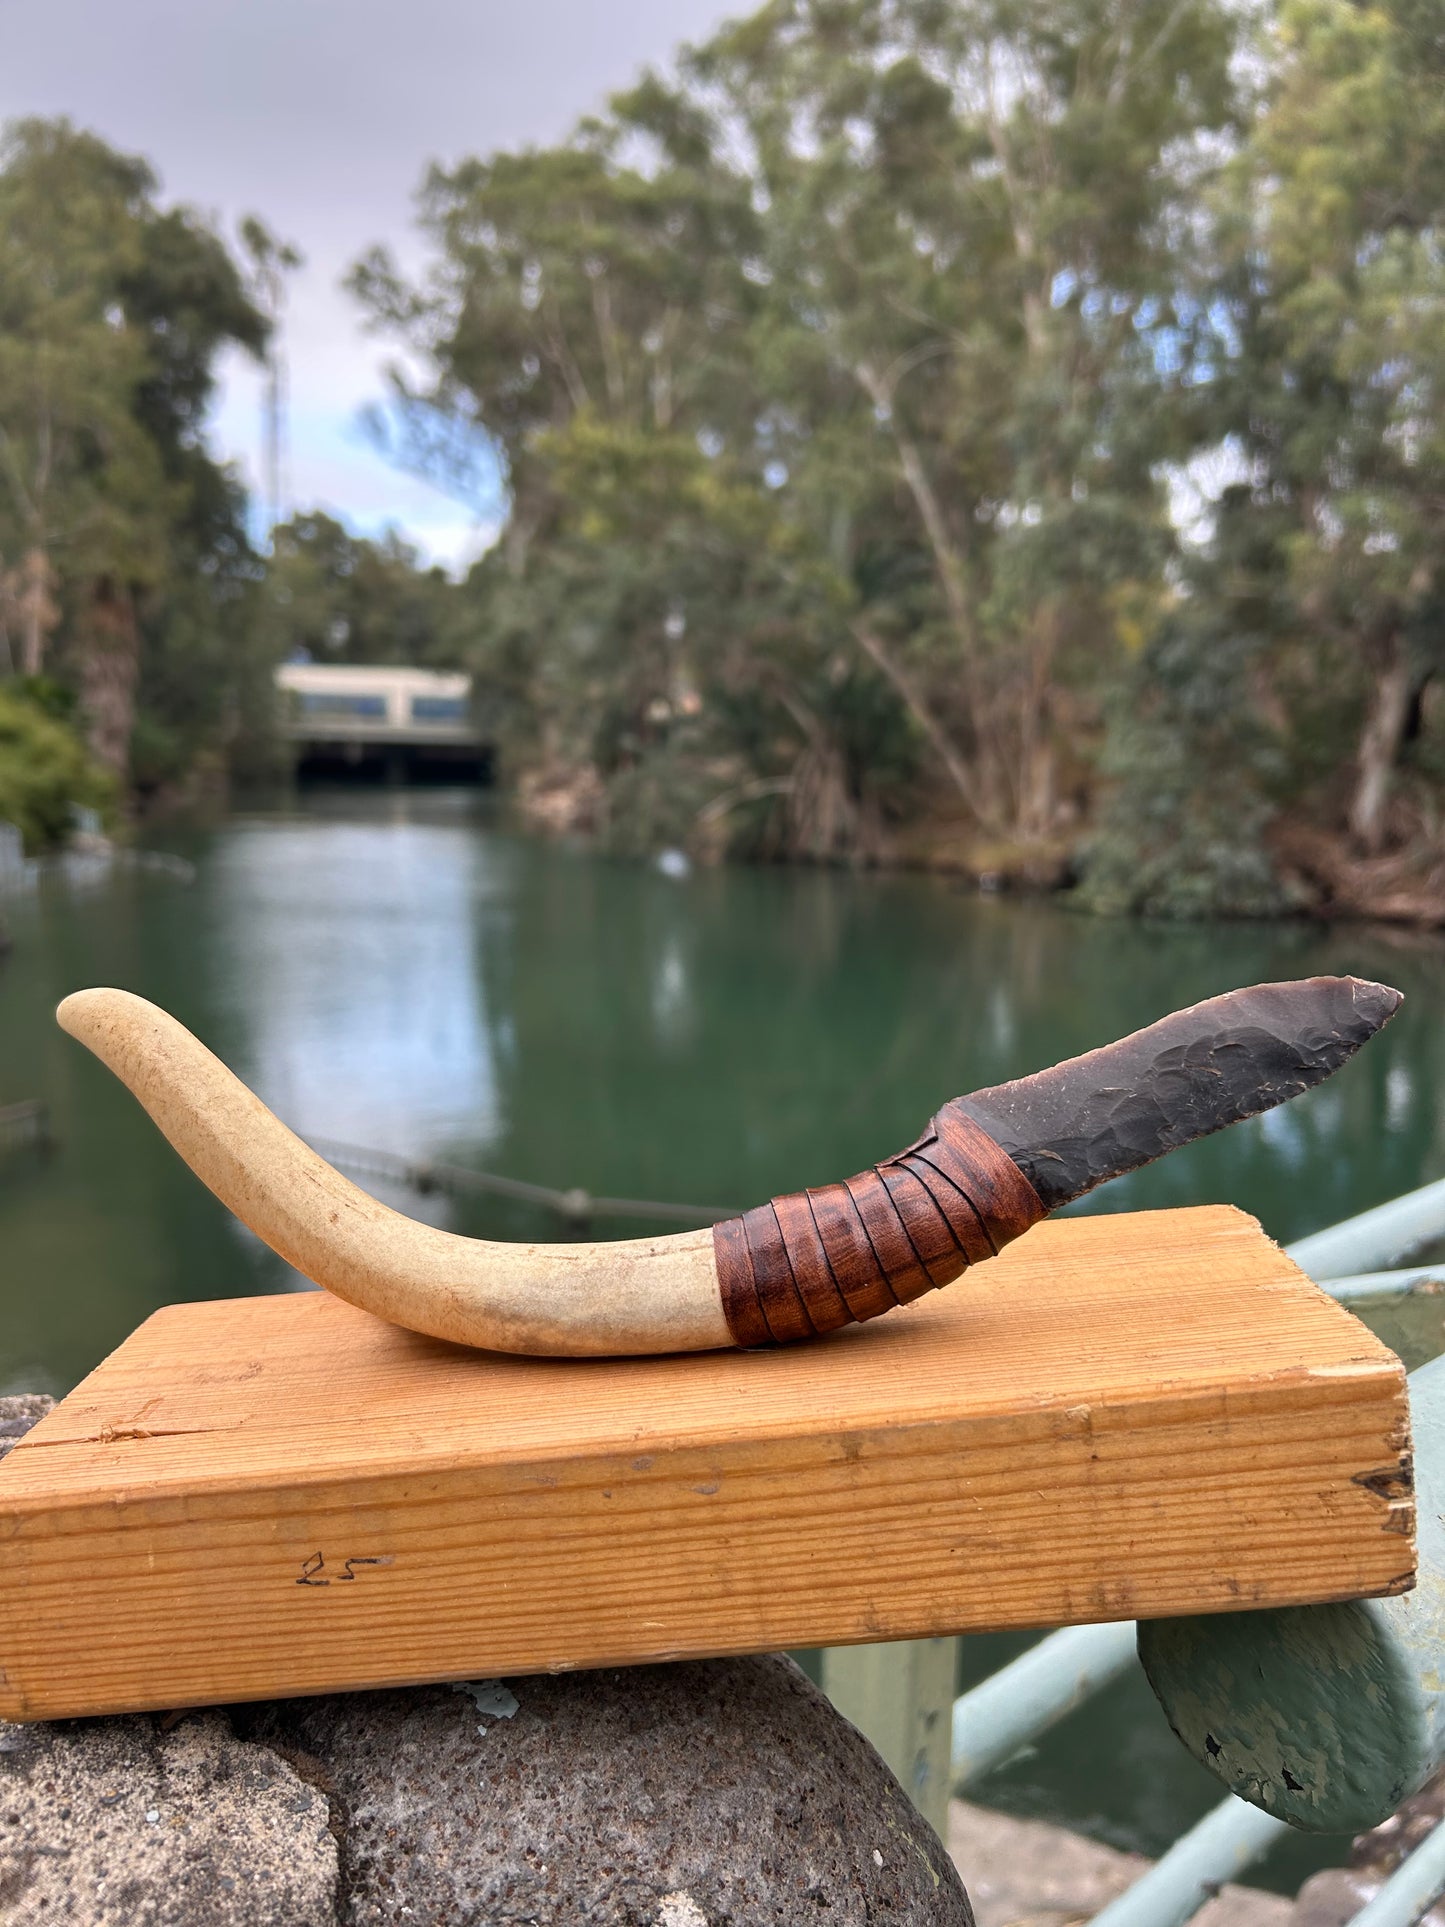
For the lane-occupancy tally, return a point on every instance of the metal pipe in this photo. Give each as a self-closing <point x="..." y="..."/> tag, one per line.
<point x="1231" y="1837"/>
<point x="575" y="1204"/>
<point x="1383" y="1284"/>
<point x="1038" y="1689"/>
<point x="1327" y="1716"/>
<point x="1379" y="1237"/>
<point x="1411" y="1888"/>
<point x="1026" y="1698"/>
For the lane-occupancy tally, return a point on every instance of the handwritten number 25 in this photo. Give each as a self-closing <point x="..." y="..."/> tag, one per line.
<point x="313" y="1567"/>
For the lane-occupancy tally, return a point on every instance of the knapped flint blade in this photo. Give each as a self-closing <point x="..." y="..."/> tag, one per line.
<point x="1095" y="1117"/>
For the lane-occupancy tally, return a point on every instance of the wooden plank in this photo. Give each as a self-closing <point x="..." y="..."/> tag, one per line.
<point x="1121" y="1417"/>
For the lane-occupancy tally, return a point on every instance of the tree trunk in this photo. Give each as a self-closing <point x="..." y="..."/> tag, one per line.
<point x="1037" y="798"/>
<point x="946" y="749"/>
<point x="1386" y="715"/>
<point x="37" y="610"/>
<point x="1034" y="809"/>
<point x="947" y="562"/>
<point x="980" y="788"/>
<point x="109" y="671"/>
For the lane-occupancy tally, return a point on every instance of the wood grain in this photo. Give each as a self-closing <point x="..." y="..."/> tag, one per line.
<point x="1121" y="1416"/>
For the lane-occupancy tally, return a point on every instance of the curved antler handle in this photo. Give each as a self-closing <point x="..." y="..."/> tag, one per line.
<point x="814" y="1260"/>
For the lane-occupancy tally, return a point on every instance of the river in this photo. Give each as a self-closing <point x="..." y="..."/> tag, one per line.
<point x="399" y="971"/>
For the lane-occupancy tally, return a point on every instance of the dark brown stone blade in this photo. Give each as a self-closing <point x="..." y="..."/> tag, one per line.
<point x="1097" y="1116"/>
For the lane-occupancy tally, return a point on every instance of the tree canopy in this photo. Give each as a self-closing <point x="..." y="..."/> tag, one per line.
<point x="1003" y="433"/>
<point x="852" y="384"/>
<point x="135" y="604"/>
<point x="122" y="543"/>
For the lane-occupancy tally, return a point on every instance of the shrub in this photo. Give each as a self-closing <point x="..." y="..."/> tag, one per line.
<point x="44" y="770"/>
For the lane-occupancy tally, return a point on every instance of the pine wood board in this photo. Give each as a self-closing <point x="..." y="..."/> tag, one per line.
<point x="1124" y="1416"/>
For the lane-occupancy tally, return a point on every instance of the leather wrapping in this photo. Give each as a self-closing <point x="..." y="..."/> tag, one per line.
<point x="814" y="1260"/>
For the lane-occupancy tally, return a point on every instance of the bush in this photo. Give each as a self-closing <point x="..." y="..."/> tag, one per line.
<point x="1194" y="773"/>
<point x="44" y="770"/>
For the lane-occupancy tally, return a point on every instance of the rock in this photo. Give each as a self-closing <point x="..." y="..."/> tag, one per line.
<point x="1331" y="1898"/>
<point x="18" y="1414"/>
<point x="123" y="1823"/>
<point x="1029" y="1872"/>
<point x="692" y="1795"/>
<point x="1380" y="1851"/>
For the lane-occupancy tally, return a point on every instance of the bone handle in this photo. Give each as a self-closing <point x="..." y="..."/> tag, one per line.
<point x="635" y="1295"/>
<point x="796" y="1267"/>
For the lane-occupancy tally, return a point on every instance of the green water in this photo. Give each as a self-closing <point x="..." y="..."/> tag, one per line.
<point x="396" y="971"/>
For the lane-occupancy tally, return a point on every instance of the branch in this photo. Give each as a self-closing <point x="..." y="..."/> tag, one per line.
<point x="947" y="561"/>
<point x="17" y="481"/>
<point x="947" y="751"/>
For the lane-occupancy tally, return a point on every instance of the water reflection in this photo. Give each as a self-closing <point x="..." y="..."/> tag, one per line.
<point x="393" y="971"/>
<point x="346" y="960"/>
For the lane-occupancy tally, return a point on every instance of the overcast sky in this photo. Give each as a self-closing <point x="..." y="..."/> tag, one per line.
<point x="320" y="115"/>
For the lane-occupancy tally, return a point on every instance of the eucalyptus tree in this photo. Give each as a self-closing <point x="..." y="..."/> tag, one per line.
<point x="334" y="596"/>
<point x="1323" y="308"/>
<point x="566" y="284"/>
<point x="974" y="217"/>
<point x="82" y="482"/>
<point x="588" y="312"/>
<point x="112" y="311"/>
<point x="839" y="345"/>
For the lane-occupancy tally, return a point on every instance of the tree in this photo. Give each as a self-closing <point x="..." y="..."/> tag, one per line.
<point x="588" y="319"/>
<point x="846" y="385"/>
<point x="969" y="242"/>
<point x="80" y="475"/>
<point x="895" y="267"/>
<point x="1321" y="322"/>
<point x="333" y="596"/>
<point x="112" y="312"/>
<point x="566" y="282"/>
<point x="44" y="772"/>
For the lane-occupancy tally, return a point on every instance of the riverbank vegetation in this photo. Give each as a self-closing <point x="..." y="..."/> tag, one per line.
<point x="1004" y="434"/>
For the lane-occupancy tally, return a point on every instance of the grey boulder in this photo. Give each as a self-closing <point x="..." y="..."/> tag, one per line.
<point x="123" y="1821"/>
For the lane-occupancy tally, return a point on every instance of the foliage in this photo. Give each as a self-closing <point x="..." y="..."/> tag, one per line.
<point x="850" y="379"/>
<point x="123" y="552"/>
<point x="834" y="353"/>
<point x="1019" y="423"/>
<point x="44" y="772"/>
<point x="336" y="597"/>
<point x="1316" y="359"/>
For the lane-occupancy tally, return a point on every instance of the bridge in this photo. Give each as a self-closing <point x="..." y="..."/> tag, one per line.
<point x="381" y="721"/>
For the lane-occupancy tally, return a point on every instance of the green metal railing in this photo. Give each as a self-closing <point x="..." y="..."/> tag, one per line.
<point x="899" y="1695"/>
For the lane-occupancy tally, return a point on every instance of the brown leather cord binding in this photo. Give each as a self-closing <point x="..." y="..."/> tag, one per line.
<point x="815" y="1260"/>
